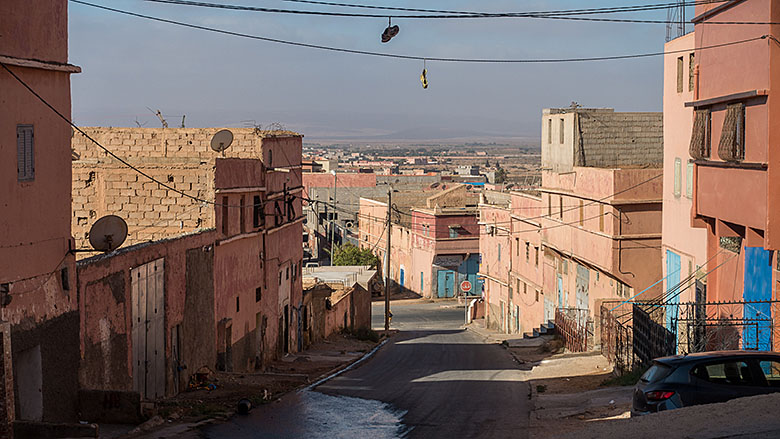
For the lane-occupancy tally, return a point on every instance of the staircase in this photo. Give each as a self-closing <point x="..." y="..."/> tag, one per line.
<point x="545" y="329"/>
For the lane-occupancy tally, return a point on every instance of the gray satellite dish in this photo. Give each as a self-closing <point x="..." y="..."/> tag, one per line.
<point x="108" y="233"/>
<point x="222" y="140"/>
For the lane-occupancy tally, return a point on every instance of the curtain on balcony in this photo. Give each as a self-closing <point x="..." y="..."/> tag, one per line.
<point x="732" y="138"/>
<point x="700" y="137"/>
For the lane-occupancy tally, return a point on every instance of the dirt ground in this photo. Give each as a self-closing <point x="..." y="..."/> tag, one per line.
<point x="284" y="375"/>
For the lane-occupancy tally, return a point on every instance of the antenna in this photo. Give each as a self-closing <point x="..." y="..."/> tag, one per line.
<point x="108" y="233"/>
<point x="675" y="21"/>
<point x="222" y="140"/>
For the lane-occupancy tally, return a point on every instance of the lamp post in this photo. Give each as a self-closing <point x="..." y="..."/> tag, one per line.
<point x="333" y="217"/>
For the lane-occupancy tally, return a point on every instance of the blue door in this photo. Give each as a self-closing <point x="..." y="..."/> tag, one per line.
<point x="672" y="288"/>
<point x="560" y="292"/>
<point x="446" y="283"/>
<point x="402" y="277"/>
<point x="468" y="271"/>
<point x="757" y="330"/>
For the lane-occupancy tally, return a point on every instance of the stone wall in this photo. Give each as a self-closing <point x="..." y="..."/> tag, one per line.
<point x="621" y="139"/>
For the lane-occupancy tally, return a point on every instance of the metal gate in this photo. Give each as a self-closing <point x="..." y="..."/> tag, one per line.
<point x="148" y="329"/>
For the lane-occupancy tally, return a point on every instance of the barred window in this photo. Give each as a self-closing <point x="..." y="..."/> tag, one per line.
<point x="25" y="156"/>
<point x="732" y="138"/>
<point x="700" y="137"/>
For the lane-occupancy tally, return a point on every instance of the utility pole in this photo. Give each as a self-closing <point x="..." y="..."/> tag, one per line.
<point x="387" y="258"/>
<point x="333" y="218"/>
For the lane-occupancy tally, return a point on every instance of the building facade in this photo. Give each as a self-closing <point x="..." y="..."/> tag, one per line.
<point x="37" y="268"/>
<point x="735" y="192"/>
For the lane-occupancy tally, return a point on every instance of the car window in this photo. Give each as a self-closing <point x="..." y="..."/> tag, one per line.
<point x="735" y="373"/>
<point x="771" y="370"/>
<point x="656" y="373"/>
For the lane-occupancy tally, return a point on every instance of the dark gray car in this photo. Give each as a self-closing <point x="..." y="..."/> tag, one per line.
<point x="705" y="378"/>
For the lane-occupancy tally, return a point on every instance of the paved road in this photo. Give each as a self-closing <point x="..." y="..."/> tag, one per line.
<point x="432" y="380"/>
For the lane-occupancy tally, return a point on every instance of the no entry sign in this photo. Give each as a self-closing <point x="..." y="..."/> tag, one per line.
<point x="465" y="286"/>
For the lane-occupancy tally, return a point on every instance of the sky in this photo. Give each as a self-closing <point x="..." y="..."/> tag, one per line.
<point x="131" y="65"/>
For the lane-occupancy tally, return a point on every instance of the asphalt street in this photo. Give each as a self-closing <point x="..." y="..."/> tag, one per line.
<point x="433" y="379"/>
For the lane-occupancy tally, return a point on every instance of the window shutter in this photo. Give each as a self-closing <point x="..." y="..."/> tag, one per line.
<point x="731" y="146"/>
<point x="700" y="142"/>
<point x="25" y="155"/>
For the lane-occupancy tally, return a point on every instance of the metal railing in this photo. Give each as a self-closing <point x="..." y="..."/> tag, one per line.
<point x="573" y="326"/>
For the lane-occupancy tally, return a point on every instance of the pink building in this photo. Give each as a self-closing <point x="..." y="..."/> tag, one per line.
<point x="735" y="196"/>
<point x="683" y="246"/>
<point x="587" y="234"/>
<point x="37" y="269"/>
<point x="435" y="240"/>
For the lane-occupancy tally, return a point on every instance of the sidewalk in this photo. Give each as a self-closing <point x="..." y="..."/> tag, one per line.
<point x="191" y="409"/>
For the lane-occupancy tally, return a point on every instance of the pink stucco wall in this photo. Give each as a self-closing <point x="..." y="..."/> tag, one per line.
<point x="48" y="41"/>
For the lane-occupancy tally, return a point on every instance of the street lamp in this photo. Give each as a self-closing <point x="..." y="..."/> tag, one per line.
<point x="333" y="217"/>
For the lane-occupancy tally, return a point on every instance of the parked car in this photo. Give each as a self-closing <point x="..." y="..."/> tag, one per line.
<point x="705" y="378"/>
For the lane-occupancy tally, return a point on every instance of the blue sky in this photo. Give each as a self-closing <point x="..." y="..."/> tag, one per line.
<point x="130" y="64"/>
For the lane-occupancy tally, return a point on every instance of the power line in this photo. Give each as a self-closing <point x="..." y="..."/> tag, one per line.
<point x="108" y="151"/>
<point x="443" y="14"/>
<point x="407" y="57"/>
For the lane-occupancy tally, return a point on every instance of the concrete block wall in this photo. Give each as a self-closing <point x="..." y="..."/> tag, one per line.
<point x="621" y="139"/>
<point x="152" y="212"/>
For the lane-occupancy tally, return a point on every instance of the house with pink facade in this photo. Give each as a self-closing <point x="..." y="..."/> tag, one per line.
<point x="435" y="239"/>
<point x="586" y="235"/>
<point x="735" y="197"/>
<point x="38" y="301"/>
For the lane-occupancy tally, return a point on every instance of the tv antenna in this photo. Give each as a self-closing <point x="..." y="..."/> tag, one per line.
<point x="108" y="233"/>
<point x="675" y="21"/>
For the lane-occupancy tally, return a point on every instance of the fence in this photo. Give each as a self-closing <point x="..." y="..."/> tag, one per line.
<point x="573" y="325"/>
<point x="632" y="334"/>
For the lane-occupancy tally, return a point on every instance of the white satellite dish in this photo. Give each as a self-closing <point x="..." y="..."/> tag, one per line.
<point x="222" y="140"/>
<point x="349" y="224"/>
<point x="108" y="233"/>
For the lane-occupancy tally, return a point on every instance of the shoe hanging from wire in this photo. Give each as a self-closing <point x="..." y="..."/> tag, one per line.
<point x="424" y="76"/>
<point x="390" y="31"/>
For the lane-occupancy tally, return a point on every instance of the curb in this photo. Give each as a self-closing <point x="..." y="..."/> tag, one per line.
<point x="349" y="367"/>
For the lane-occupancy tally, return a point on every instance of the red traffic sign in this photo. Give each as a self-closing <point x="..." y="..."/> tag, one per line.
<point x="465" y="286"/>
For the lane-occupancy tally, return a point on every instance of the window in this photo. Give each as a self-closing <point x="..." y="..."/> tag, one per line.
<point x="242" y="214"/>
<point x="525" y="288"/>
<point x="565" y="266"/>
<point x="691" y="68"/>
<point x="562" y="132"/>
<point x="499" y="252"/>
<point x="601" y="217"/>
<point x="527" y="251"/>
<point x="537" y="295"/>
<point x="689" y="180"/>
<point x="560" y="206"/>
<point x="700" y="137"/>
<point x="258" y="294"/>
<point x="225" y="228"/>
<point x="453" y="232"/>
<point x="270" y="158"/>
<point x="257" y="213"/>
<point x="736" y="373"/>
<point x="511" y="294"/>
<point x="238" y="307"/>
<point x="549" y="205"/>
<point x="732" y="138"/>
<point x="549" y="131"/>
<point x="536" y="257"/>
<point x="25" y="153"/>
<point x="287" y="273"/>
<point x="771" y="371"/>
<point x="582" y="213"/>
<point x="280" y="277"/>
<point x="517" y="246"/>
<point x="677" y="176"/>
<point x="680" y="65"/>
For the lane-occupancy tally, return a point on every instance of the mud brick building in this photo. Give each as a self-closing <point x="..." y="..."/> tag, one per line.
<point x="180" y="157"/>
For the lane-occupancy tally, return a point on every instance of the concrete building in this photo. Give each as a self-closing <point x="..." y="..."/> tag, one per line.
<point x="684" y="247"/>
<point x="587" y="234"/>
<point x="435" y="239"/>
<point x="735" y="191"/>
<point x="38" y="317"/>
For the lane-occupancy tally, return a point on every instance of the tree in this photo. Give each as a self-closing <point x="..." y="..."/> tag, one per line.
<point x="348" y="254"/>
<point x="500" y="175"/>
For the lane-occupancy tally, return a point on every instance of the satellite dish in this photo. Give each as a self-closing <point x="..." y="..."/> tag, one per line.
<point x="108" y="233"/>
<point x="222" y="140"/>
<point x="349" y="224"/>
